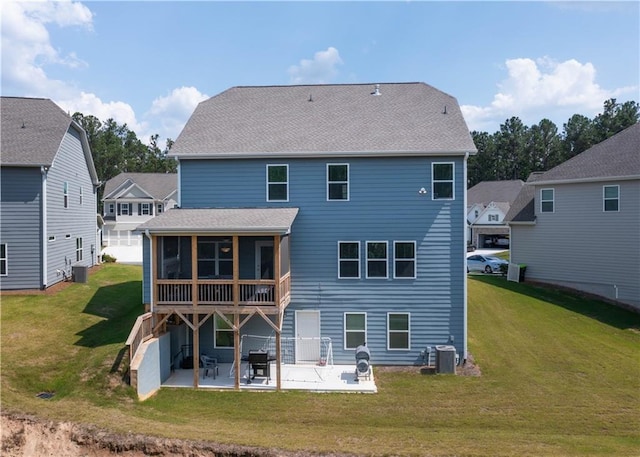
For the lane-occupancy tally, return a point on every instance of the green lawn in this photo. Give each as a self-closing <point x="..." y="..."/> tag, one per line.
<point x="560" y="376"/>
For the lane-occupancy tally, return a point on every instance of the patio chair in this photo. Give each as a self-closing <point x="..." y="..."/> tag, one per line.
<point x="209" y="364"/>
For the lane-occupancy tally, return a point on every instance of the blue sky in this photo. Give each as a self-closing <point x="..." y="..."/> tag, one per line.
<point x="148" y="64"/>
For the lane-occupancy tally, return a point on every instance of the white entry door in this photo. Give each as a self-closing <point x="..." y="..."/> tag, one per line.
<point x="308" y="336"/>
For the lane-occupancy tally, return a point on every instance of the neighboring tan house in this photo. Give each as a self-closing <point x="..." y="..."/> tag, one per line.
<point x="578" y="224"/>
<point x="129" y="200"/>
<point x="313" y="213"/>
<point x="48" y="227"/>
<point x="487" y="204"/>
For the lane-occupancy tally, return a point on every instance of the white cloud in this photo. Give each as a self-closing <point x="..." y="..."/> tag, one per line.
<point x="27" y="51"/>
<point x="541" y="89"/>
<point x="174" y="110"/>
<point x="320" y="70"/>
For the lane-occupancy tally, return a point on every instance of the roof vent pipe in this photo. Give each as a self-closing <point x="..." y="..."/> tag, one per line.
<point x="376" y="91"/>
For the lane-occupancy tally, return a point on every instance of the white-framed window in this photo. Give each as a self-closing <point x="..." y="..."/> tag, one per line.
<point x="377" y="259"/>
<point x="493" y="218"/>
<point x="144" y="209"/>
<point x="442" y="184"/>
<point x="611" y="198"/>
<point x="398" y="331"/>
<point x="223" y="331"/>
<point x="159" y="208"/>
<point x="124" y="209"/>
<point x="547" y="200"/>
<point x="337" y="181"/>
<point x="110" y="208"/>
<point x="278" y="183"/>
<point x="404" y="259"/>
<point x="355" y="330"/>
<point x="80" y="196"/>
<point x="215" y="258"/>
<point x="65" y="194"/>
<point x="78" y="249"/>
<point x="4" y="260"/>
<point x="348" y="259"/>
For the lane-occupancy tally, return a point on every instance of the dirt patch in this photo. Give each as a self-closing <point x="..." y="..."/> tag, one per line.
<point x="28" y="436"/>
<point x="467" y="368"/>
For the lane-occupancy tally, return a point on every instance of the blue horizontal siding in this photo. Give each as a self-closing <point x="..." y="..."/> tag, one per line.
<point x="384" y="205"/>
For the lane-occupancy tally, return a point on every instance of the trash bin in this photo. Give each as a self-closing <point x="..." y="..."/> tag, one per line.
<point x="523" y="268"/>
<point x="446" y="359"/>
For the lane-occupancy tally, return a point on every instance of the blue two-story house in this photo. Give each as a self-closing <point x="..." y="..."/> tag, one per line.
<point x="314" y="213"/>
<point x="48" y="212"/>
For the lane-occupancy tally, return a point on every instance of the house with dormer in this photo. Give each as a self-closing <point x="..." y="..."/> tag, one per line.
<point x="488" y="202"/>
<point x="130" y="199"/>
<point x="48" y="214"/>
<point x="312" y="213"/>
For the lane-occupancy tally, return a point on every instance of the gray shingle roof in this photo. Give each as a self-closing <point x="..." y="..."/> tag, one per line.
<point x="494" y="191"/>
<point x="316" y="119"/>
<point x="222" y="220"/>
<point x="615" y="157"/>
<point x="158" y="185"/>
<point x="32" y="130"/>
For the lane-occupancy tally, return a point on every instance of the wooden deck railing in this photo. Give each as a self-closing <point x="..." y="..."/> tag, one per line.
<point x="221" y="292"/>
<point x="142" y="330"/>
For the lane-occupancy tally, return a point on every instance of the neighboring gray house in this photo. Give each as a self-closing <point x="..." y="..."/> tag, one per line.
<point x="324" y="216"/>
<point x="488" y="202"/>
<point x="48" y="202"/>
<point x="130" y="199"/>
<point x="578" y="224"/>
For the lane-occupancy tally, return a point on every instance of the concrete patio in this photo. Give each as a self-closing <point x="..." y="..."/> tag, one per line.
<point x="336" y="378"/>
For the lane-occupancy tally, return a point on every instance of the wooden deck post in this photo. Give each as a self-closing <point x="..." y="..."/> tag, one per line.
<point x="236" y="350"/>
<point x="196" y="349"/>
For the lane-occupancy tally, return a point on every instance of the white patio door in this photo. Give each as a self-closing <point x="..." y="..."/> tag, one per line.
<point x="307" y="336"/>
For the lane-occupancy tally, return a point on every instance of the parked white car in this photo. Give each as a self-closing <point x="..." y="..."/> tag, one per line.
<point x="485" y="263"/>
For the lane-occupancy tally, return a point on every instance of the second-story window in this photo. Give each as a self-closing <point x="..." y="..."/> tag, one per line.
<point x="277" y="183"/>
<point x="159" y="208"/>
<point x="442" y="181"/>
<point x="215" y="258"/>
<point x="110" y="208"/>
<point x="404" y="259"/>
<point x="547" y="201"/>
<point x="124" y="209"/>
<point x="338" y="181"/>
<point x="611" y="198"/>
<point x="65" y="193"/>
<point x="144" y="209"/>
<point x="81" y="195"/>
<point x="493" y="218"/>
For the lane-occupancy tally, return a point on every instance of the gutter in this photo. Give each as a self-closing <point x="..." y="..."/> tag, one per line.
<point x="44" y="169"/>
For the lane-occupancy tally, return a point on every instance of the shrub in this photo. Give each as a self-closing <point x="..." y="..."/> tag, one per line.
<point x="106" y="258"/>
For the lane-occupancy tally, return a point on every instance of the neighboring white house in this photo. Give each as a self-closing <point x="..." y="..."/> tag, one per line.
<point x="129" y="200"/>
<point x="578" y="224"/>
<point x="488" y="203"/>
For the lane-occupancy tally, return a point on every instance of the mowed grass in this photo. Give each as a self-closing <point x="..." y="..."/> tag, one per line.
<point x="560" y="376"/>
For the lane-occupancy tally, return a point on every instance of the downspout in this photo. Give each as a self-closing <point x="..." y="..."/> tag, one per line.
<point x="43" y="206"/>
<point x="464" y="267"/>
<point x="146" y="233"/>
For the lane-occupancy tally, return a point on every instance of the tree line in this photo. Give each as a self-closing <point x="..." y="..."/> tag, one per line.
<point x="513" y="152"/>
<point x="516" y="150"/>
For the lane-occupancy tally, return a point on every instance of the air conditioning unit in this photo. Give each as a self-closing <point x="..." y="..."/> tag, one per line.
<point x="80" y="273"/>
<point x="446" y="359"/>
